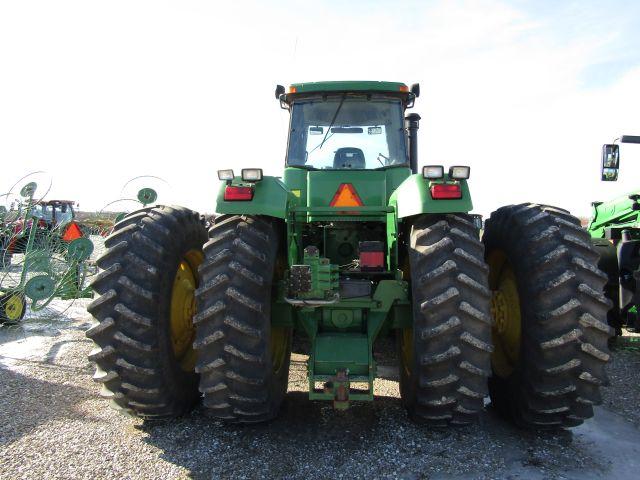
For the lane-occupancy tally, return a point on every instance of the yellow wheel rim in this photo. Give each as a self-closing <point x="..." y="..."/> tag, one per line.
<point x="406" y="350"/>
<point x="13" y="308"/>
<point x="279" y="345"/>
<point x="183" y="306"/>
<point x="505" y="310"/>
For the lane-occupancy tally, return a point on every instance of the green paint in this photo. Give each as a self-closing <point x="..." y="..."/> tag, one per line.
<point x="345" y="346"/>
<point x="39" y="287"/>
<point x="349" y="86"/>
<point x="413" y="197"/>
<point x="147" y="196"/>
<point x="324" y="277"/>
<point x="335" y="351"/>
<point x="617" y="214"/>
<point x="271" y="197"/>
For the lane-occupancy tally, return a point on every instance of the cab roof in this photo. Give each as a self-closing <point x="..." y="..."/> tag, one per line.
<point x="55" y="202"/>
<point x="348" y="86"/>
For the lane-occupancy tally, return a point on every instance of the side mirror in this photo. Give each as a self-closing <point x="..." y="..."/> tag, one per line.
<point x="610" y="163"/>
<point x="415" y="89"/>
<point x="279" y="91"/>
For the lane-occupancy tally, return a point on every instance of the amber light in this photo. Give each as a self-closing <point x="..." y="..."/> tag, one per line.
<point x="292" y="89"/>
<point x="234" y="193"/>
<point x="444" y="191"/>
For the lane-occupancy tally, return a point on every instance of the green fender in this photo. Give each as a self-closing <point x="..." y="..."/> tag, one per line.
<point x="271" y="197"/>
<point x="413" y="197"/>
<point x="618" y="214"/>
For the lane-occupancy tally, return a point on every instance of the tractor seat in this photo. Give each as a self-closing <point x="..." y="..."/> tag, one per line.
<point x="349" y="157"/>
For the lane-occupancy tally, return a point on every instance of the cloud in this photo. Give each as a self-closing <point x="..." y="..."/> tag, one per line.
<point x="100" y="92"/>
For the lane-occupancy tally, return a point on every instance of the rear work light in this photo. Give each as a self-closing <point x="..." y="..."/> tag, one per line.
<point x="444" y="191"/>
<point x="433" y="172"/>
<point x="459" y="172"/>
<point x="235" y="194"/>
<point x="225" y="175"/>
<point x="251" y="174"/>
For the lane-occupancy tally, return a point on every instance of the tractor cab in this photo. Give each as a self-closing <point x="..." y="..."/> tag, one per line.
<point x="54" y="212"/>
<point x="361" y="129"/>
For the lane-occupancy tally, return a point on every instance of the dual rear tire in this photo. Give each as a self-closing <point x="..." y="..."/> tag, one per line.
<point x="523" y="312"/>
<point x="526" y="312"/>
<point x="550" y="317"/>
<point x="243" y="360"/>
<point x="444" y="358"/>
<point x="153" y="357"/>
<point x="143" y="355"/>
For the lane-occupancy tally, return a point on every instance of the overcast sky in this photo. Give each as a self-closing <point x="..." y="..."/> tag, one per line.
<point x="525" y="92"/>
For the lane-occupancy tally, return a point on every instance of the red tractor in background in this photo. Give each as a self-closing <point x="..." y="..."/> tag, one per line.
<point x="55" y="224"/>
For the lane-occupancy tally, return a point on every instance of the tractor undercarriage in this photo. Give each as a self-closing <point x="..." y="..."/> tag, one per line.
<point x="341" y="296"/>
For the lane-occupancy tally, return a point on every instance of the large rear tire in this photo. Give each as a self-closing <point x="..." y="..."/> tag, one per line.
<point x="550" y="332"/>
<point x="243" y="360"/>
<point x="444" y="358"/>
<point x="608" y="263"/>
<point x="144" y="356"/>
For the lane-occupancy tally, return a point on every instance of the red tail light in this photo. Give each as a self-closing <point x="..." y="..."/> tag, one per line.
<point x="371" y="260"/>
<point x="444" y="191"/>
<point x="371" y="255"/>
<point x="233" y="193"/>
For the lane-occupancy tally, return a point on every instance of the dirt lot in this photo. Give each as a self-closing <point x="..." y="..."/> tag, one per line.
<point x="54" y="425"/>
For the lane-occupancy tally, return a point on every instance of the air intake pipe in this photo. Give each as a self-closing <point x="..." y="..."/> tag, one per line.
<point x="413" y="124"/>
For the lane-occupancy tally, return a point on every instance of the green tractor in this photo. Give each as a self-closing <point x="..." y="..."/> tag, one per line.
<point x="615" y="231"/>
<point x="352" y="243"/>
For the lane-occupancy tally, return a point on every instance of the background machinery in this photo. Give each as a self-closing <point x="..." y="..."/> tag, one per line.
<point x="53" y="251"/>
<point x="615" y="231"/>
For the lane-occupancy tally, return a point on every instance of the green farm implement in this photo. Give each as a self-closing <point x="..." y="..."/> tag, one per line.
<point x="54" y="252"/>
<point x="353" y="242"/>
<point x="615" y="231"/>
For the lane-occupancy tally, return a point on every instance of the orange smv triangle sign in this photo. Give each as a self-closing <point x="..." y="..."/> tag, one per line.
<point x="72" y="232"/>
<point x="346" y="196"/>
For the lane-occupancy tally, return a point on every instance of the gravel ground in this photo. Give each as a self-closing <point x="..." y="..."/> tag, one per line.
<point x="54" y="425"/>
<point x="623" y="395"/>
